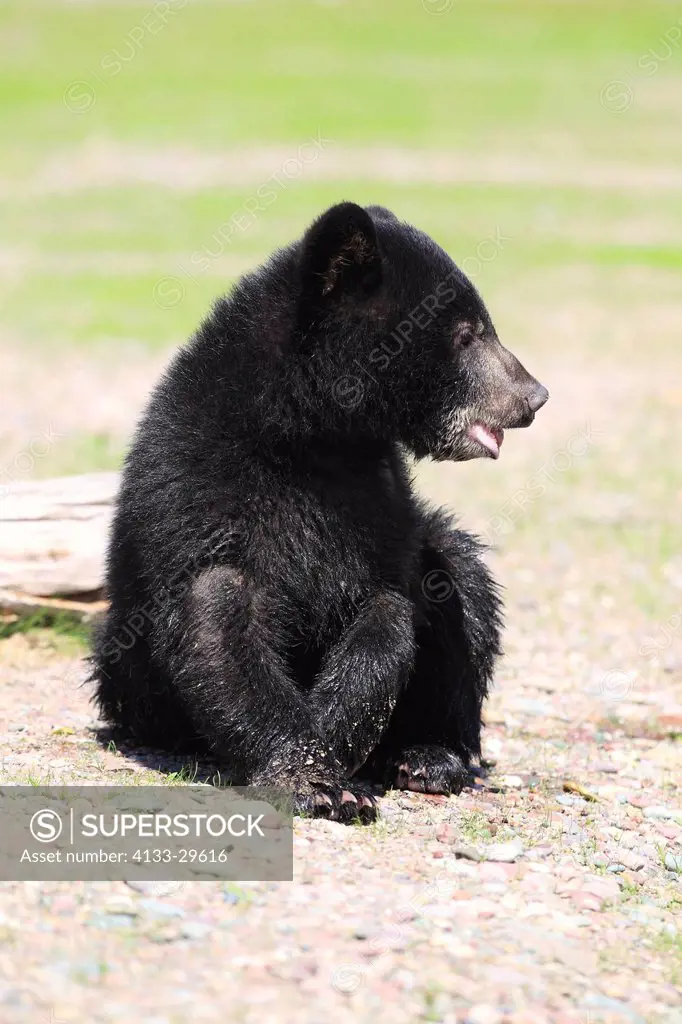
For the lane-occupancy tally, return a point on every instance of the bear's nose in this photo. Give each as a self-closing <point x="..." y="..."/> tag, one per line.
<point x="537" y="398"/>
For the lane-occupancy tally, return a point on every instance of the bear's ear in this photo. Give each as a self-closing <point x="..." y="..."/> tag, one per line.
<point x="340" y="254"/>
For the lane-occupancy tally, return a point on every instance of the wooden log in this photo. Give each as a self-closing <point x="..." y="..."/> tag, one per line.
<point x="53" y="537"/>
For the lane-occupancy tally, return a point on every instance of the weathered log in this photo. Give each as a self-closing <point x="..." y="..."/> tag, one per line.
<point x="53" y="536"/>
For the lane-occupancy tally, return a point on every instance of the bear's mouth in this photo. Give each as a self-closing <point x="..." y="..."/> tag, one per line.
<point x="486" y="437"/>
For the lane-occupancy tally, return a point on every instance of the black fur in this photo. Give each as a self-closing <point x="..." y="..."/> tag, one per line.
<point x="279" y="595"/>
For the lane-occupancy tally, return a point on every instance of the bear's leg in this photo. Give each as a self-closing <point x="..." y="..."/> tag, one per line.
<point x="225" y="658"/>
<point x="435" y="730"/>
<point x="363" y="676"/>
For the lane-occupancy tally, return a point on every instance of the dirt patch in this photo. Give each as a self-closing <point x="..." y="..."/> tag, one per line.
<point x="549" y="894"/>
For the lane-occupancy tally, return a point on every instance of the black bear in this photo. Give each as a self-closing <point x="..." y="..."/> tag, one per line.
<point x="280" y="597"/>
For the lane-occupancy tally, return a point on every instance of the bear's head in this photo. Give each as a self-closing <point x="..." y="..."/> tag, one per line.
<point x="404" y="341"/>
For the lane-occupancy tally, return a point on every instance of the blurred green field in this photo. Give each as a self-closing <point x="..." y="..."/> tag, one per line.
<point x="513" y="86"/>
<point x="131" y="134"/>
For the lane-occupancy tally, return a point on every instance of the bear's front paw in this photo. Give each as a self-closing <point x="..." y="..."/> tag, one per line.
<point x="428" y="769"/>
<point x="322" y="793"/>
<point x="346" y="801"/>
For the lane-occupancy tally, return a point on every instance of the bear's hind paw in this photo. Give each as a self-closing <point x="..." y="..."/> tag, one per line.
<point x="428" y="769"/>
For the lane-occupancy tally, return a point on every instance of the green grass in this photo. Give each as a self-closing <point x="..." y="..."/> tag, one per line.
<point x="509" y="82"/>
<point x="225" y="74"/>
<point x="60" y="632"/>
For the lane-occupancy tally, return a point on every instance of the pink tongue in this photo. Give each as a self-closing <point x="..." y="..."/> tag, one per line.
<point x="490" y="439"/>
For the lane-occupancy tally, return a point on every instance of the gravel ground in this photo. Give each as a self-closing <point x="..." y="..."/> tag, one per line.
<point x="550" y="894"/>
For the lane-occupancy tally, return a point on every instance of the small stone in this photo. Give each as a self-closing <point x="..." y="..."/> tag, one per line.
<point x="447" y="834"/>
<point x="467" y="853"/>
<point x="565" y="886"/>
<point x="628" y="840"/>
<point x="157" y="909"/>
<point x="671" y="723"/>
<point x="586" y="900"/>
<point x="540" y="852"/>
<point x="512" y="781"/>
<point x="673" y="861"/>
<point x="669" y="831"/>
<point x="108" y="922"/>
<point x="599" y="860"/>
<point x="483" y="1013"/>
<point x="660" y="813"/>
<point x="492" y="872"/>
<point x="624" y="1010"/>
<point x="194" y="930"/>
<point x="505" y="853"/>
<point x="632" y="860"/>
<point x="637" y="801"/>
<point x="605" y="887"/>
<point x="616" y="869"/>
<point x="141" y="886"/>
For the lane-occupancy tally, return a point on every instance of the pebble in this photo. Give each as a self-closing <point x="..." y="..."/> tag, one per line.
<point x="638" y="801"/>
<point x="586" y="900"/>
<point x="505" y="853"/>
<point x="483" y="1013"/>
<point x="603" y="886"/>
<point x="628" y="840"/>
<point x="616" y="869"/>
<point x="141" y="886"/>
<point x="512" y="781"/>
<point x="632" y="860"/>
<point x="594" y="999"/>
<point x="107" y="922"/>
<point x="157" y="909"/>
<point x="467" y="853"/>
<point x="673" y="861"/>
<point x="540" y="852"/>
<point x="659" y="813"/>
<point x="497" y="872"/>
<point x="195" y="930"/>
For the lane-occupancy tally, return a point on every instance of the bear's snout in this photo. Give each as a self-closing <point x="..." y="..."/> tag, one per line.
<point x="530" y="405"/>
<point x="537" y="398"/>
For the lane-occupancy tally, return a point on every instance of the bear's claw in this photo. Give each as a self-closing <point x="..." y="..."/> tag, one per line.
<point x="352" y="801"/>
